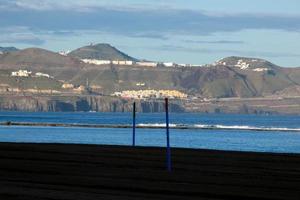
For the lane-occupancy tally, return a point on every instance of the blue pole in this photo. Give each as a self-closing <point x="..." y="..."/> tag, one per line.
<point x="169" y="165"/>
<point x="133" y="125"/>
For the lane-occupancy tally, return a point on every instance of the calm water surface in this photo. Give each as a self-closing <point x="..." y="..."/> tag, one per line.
<point x="243" y="140"/>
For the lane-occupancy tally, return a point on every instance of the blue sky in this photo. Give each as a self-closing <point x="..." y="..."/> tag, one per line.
<point x="184" y="31"/>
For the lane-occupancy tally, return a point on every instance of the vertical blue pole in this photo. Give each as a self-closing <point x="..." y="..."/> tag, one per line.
<point x="168" y="136"/>
<point x="133" y="125"/>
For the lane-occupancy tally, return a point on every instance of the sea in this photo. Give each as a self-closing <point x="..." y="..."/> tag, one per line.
<point x="234" y="132"/>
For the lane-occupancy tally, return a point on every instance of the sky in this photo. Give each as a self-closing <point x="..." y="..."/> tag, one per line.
<point x="181" y="31"/>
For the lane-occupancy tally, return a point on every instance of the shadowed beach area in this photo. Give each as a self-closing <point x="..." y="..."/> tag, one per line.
<point x="71" y="172"/>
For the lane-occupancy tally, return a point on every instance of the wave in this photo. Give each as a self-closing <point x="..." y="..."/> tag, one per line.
<point x="218" y="127"/>
<point x="157" y="125"/>
<point x="237" y="127"/>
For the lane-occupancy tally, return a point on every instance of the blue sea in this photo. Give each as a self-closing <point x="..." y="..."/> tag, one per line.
<point x="258" y="133"/>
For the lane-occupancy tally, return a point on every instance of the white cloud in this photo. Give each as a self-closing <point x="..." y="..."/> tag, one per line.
<point x="73" y="5"/>
<point x="130" y="5"/>
<point x="19" y="34"/>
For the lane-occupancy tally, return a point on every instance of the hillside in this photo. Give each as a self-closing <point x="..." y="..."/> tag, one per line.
<point x="229" y="77"/>
<point x="232" y="77"/>
<point x="246" y="63"/>
<point x="100" y="52"/>
<point x="35" y="57"/>
<point x="265" y="77"/>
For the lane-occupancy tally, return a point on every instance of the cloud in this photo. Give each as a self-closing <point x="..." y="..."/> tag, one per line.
<point x="134" y="20"/>
<point x="19" y="34"/>
<point x="76" y="5"/>
<point x="150" y="35"/>
<point x="22" y="39"/>
<point x="87" y="5"/>
<point x="215" y="42"/>
<point x="37" y="5"/>
<point x="229" y="52"/>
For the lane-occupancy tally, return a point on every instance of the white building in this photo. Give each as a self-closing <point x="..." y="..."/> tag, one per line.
<point x="188" y="65"/>
<point x="122" y="62"/>
<point x="140" y="84"/>
<point x="260" y="69"/>
<point x="96" y="62"/>
<point x="126" y="62"/>
<point x="67" y="86"/>
<point x="64" y="53"/>
<point x="40" y="74"/>
<point x="169" y="64"/>
<point x="21" y="73"/>
<point x="242" y="65"/>
<point x="147" y="64"/>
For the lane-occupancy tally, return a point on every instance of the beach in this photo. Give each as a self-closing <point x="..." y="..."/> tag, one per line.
<point x="73" y="171"/>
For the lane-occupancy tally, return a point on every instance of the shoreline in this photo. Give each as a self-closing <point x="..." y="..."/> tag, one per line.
<point x="72" y="171"/>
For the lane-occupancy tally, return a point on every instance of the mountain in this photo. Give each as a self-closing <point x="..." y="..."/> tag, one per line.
<point x="8" y="49"/>
<point x="230" y="77"/>
<point x="265" y="77"/>
<point x="100" y="52"/>
<point x="36" y="57"/>
<point x="238" y="80"/>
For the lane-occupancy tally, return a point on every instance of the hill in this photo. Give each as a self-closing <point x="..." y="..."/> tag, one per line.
<point x="65" y="83"/>
<point x="36" y="57"/>
<point x="230" y="77"/>
<point x="100" y="52"/>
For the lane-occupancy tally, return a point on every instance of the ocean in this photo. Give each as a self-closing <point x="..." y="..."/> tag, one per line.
<point x="258" y="133"/>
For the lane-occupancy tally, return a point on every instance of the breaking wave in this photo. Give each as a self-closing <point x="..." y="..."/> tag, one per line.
<point x="217" y="127"/>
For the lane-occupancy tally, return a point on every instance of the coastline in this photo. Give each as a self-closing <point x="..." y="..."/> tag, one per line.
<point x="271" y="105"/>
<point x="69" y="171"/>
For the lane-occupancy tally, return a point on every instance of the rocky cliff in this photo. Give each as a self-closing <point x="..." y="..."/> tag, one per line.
<point x="82" y="104"/>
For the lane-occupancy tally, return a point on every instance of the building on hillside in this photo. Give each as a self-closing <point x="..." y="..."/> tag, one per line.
<point x="195" y="65"/>
<point x="169" y="64"/>
<point x="188" y="65"/>
<point x="149" y="94"/>
<point x="140" y="84"/>
<point x="67" y="86"/>
<point x="147" y="64"/>
<point x="40" y="74"/>
<point x="64" y="53"/>
<point x="79" y="89"/>
<point x="21" y="73"/>
<point x="96" y="62"/>
<point x="260" y="69"/>
<point x="14" y="90"/>
<point x="122" y="62"/>
<point x="242" y="64"/>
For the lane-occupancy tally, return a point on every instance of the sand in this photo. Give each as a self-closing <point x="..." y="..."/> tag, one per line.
<point x="79" y="172"/>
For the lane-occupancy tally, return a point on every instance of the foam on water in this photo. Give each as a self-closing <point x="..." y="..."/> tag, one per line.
<point x="218" y="127"/>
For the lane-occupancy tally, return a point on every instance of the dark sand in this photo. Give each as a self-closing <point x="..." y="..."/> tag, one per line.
<point x="52" y="171"/>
